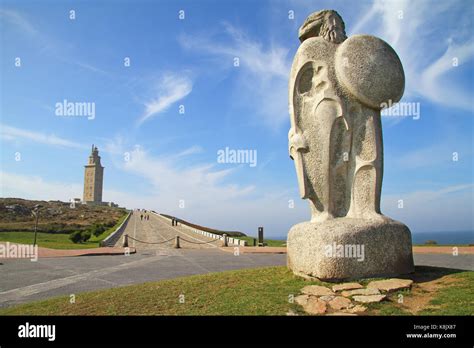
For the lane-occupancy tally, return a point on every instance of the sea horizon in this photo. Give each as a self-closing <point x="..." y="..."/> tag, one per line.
<point x="441" y="237"/>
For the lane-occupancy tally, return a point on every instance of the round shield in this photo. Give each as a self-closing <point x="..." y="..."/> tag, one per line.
<point x="370" y="70"/>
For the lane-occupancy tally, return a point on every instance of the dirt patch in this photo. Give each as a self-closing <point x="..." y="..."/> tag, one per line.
<point x="423" y="293"/>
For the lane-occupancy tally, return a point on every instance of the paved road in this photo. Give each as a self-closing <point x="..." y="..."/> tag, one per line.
<point x="464" y="262"/>
<point x="23" y="281"/>
<point x="159" y="230"/>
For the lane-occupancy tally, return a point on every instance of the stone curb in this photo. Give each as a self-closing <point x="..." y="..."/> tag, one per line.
<point x="115" y="236"/>
<point x="230" y="240"/>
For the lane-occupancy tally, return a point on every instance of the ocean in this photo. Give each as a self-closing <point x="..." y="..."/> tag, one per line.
<point x="449" y="237"/>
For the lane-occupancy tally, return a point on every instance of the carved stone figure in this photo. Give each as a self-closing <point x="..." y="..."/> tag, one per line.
<point x="336" y="89"/>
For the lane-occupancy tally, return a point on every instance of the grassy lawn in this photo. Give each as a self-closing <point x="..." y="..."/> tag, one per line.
<point x="46" y="240"/>
<point x="56" y="240"/>
<point x="454" y="297"/>
<point x="454" y="300"/>
<point x="261" y="291"/>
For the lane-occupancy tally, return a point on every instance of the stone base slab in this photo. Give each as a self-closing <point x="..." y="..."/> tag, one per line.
<point x="346" y="248"/>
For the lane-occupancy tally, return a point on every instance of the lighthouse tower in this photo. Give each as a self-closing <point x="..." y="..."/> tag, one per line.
<point x="93" y="178"/>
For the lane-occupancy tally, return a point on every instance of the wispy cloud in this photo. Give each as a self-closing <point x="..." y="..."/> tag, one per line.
<point x="199" y="184"/>
<point x="87" y="67"/>
<point x="264" y="69"/>
<point x="419" y="33"/>
<point x="438" y="154"/>
<point x="195" y="149"/>
<point x="170" y="89"/>
<point x="446" y="209"/>
<point x="35" y="187"/>
<point x="50" y="45"/>
<point x="19" y="21"/>
<point x="435" y="81"/>
<point x="9" y="133"/>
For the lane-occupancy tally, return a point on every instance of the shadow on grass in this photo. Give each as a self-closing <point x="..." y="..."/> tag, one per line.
<point x="424" y="274"/>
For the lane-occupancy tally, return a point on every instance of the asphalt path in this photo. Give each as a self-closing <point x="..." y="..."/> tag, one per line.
<point x="157" y="234"/>
<point x="25" y="281"/>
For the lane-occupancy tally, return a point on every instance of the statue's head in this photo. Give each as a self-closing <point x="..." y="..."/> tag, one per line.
<point x="326" y="24"/>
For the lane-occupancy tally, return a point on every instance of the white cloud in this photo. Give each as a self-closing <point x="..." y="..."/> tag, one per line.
<point x="169" y="89"/>
<point x="198" y="185"/>
<point x="446" y="209"/>
<point x="18" y="20"/>
<point x="22" y="23"/>
<point x="35" y="187"/>
<point x="88" y="67"/>
<point x="190" y="151"/>
<point x="437" y="154"/>
<point x="437" y="86"/>
<point x="13" y="134"/>
<point x="421" y="33"/>
<point x="264" y="70"/>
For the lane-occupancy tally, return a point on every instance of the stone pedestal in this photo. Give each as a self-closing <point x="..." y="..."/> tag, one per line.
<point x="346" y="248"/>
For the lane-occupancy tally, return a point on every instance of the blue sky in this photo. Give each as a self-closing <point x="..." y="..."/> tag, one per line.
<point x="157" y="158"/>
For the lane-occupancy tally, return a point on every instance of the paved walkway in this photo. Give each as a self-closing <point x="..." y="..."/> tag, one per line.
<point x="159" y="230"/>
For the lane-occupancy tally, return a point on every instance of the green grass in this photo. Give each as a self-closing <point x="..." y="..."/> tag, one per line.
<point x="454" y="300"/>
<point x="56" y="240"/>
<point x="260" y="291"/>
<point x="270" y="242"/>
<point x="46" y="240"/>
<point x="390" y="305"/>
<point x="107" y="232"/>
